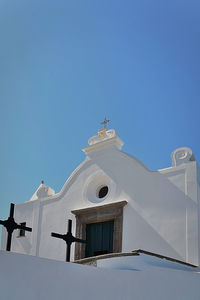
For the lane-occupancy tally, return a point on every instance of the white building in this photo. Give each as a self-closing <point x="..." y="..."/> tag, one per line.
<point x="118" y="204"/>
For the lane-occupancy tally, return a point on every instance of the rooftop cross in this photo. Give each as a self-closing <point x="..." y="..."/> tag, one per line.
<point x="11" y="225"/>
<point x="68" y="238"/>
<point x="105" y="122"/>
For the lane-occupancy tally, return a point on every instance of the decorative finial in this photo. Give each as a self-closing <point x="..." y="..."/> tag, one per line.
<point x="42" y="182"/>
<point x="105" y="122"/>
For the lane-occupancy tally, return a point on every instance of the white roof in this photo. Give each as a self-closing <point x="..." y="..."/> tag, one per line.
<point x="27" y="277"/>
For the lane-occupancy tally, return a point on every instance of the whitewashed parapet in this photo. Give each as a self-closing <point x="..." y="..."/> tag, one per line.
<point x="106" y="138"/>
<point x="103" y="135"/>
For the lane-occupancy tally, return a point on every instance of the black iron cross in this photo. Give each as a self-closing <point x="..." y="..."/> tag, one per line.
<point x="68" y="238"/>
<point x="11" y="225"/>
<point x="104" y="123"/>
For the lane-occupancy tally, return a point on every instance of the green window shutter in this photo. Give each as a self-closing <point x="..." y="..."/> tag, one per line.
<point x="99" y="238"/>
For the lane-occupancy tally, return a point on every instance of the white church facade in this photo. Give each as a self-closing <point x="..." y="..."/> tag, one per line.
<point x="117" y="205"/>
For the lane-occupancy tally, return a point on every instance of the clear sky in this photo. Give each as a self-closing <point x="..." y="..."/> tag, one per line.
<point x="65" y="65"/>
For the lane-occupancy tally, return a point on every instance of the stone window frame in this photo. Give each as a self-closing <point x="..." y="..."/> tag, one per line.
<point x="103" y="213"/>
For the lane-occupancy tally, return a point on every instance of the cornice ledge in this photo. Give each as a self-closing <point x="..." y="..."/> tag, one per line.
<point x="82" y="211"/>
<point x="114" y="141"/>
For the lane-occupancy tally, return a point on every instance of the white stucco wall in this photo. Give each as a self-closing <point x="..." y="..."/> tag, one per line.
<point x="161" y="215"/>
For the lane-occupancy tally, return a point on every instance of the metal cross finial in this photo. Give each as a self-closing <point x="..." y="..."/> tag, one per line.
<point x="11" y="225"/>
<point x="105" y="122"/>
<point x="68" y="238"/>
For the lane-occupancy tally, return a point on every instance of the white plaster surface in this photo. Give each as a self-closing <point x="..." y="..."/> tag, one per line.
<point x="162" y="214"/>
<point x="142" y="262"/>
<point x="26" y="277"/>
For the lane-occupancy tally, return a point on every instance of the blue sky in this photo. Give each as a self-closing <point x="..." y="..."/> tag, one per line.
<point x="65" y="65"/>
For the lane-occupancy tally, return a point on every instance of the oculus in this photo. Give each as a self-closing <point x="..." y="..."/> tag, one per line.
<point x="102" y="191"/>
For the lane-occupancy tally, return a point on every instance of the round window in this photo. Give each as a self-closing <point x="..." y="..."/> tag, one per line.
<point x="103" y="191"/>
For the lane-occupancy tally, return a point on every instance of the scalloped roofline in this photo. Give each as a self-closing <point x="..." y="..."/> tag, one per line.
<point x="74" y="174"/>
<point x="139" y="162"/>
